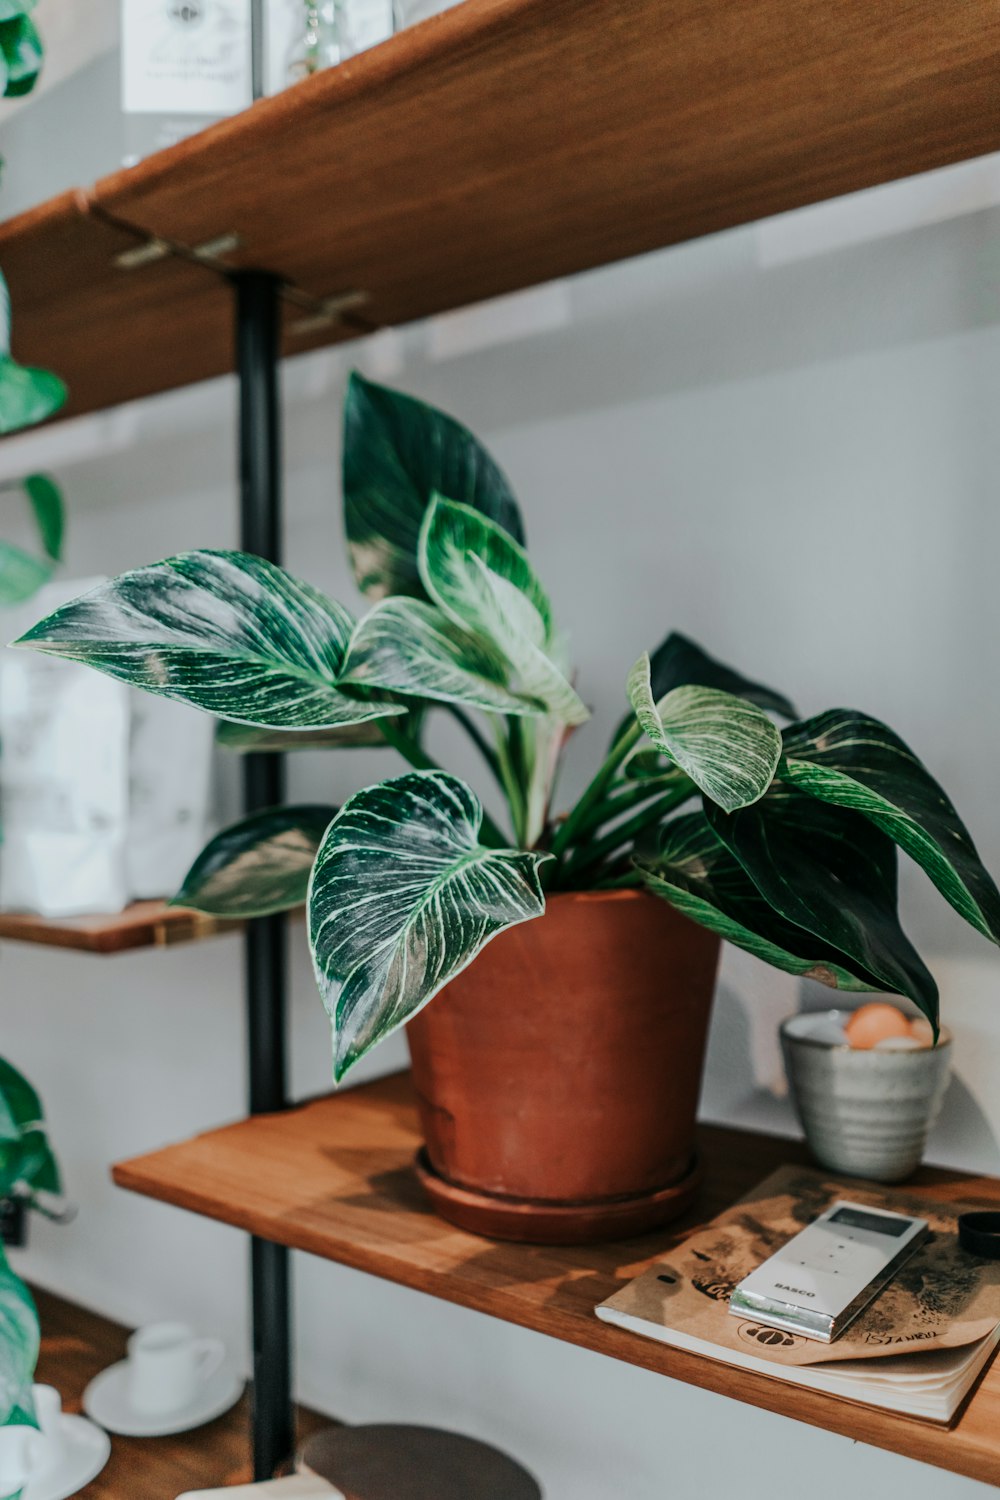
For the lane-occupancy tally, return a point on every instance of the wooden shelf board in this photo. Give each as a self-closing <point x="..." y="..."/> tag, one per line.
<point x="333" y="1177"/>
<point x="76" y="1346"/>
<point x="144" y="924"/>
<point x="494" y="147"/>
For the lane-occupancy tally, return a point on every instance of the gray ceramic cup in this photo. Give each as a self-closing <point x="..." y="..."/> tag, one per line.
<point x="864" y="1113"/>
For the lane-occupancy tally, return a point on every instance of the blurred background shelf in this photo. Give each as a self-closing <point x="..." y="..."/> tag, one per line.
<point x="333" y="1177"/>
<point x="494" y="147"/>
<point x="144" y="924"/>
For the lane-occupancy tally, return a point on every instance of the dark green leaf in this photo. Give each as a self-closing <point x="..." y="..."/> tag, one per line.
<point x="405" y="646"/>
<point x="25" y="1154"/>
<point x="727" y="745"/>
<point x="398" y="452"/>
<point x="403" y="896"/>
<point x="848" y="759"/>
<point x="46" y="501"/>
<point x="21" y="49"/>
<point x="259" y="865"/>
<point x="20" y="1105"/>
<point x="834" y="873"/>
<point x="693" y="870"/>
<point x="224" y="631"/>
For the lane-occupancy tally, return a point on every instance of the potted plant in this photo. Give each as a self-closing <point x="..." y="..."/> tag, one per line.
<point x="558" y="1077"/>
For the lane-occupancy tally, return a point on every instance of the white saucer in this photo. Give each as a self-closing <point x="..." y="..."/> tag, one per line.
<point x="86" y="1452"/>
<point x="106" y="1399"/>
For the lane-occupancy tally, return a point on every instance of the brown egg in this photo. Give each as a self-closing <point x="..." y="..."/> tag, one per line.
<point x="873" y="1023"/>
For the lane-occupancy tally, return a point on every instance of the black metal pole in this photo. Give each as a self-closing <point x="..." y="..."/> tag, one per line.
<point x="257" y="355"/>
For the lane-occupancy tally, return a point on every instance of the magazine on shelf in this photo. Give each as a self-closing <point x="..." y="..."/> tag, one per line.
<point x="917" y="1348"/>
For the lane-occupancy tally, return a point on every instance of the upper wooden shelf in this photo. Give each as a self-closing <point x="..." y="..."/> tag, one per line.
<point x="144" y="924"/>
<point x="334" y="1178"/>
<point x="494" y="147"/>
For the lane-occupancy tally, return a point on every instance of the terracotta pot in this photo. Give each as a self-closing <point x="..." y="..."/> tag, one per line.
<point x="558" y="1076"/>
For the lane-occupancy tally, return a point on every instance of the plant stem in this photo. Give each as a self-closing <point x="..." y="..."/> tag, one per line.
<point x="619" y="882"/>
<point x="478" y="739"/>
<point x="595" y="791"/>
<point x="513" y="790"/>
<point x="592" y="854"/>
<point x="623" y="798"/>
<point x="421" y="761"/>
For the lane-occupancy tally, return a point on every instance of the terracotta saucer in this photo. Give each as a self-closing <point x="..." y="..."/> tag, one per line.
<point x="535" y="1223"/>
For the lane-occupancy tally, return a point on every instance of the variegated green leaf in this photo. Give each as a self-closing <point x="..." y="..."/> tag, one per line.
<point x="249" y="739"/>
<point x="26" y="1157"/>
<point x="693" y="870"/>
<point x="848" y="759"/>
<point x="728" y="746"/>
<point x="21" y="55"/>
<point x="680" y="662"/>
<point x="831" y="871"/>
<point x="19" y="1343"/>
<point x="27" y="395"/>
<point x="398" y="452"/>
<point x="409" y="647"/>
<point x="402" y="897"/>
<point x="259" y="865"/>
<point x="483" y="581"/>
<point x="21" y="573"/>
<point x="224" y="631"/>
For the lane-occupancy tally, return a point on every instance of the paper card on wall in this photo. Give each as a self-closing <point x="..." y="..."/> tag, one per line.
<point x="185" y="56"/>
<point x="63" y="776"/>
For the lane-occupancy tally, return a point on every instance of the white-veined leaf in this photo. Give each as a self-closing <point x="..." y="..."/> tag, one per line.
<point x="402" y="897"/>
<point x="224" y="631"/>
<point x="728" y="746"/>
<point x="479" y="576"/>
<point x="409" y="647"/>
<point x="259" y="865"/>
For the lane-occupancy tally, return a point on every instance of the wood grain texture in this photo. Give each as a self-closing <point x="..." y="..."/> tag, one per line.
<point x="144" y="924"/>
<point x="334" y="1178"/>
<point x="507" y="142"/>
<point x="76" y="1345"/>
<point x="115" y="335"/>
<point x="494" y="147"/>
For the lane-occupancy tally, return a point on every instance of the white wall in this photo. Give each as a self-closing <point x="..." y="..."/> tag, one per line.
<point x="798" y="467"/>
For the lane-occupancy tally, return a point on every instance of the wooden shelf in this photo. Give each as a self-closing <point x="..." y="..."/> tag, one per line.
<point x="497" y="146"/>
<point x="333" y="1178"/>
<point x="76" y="1346"/>
<point x="144" y="924"/>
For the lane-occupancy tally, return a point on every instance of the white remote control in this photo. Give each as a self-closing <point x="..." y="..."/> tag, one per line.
<point x="819" y="1281"/>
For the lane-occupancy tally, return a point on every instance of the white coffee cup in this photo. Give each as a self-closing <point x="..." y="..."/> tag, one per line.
<point x="20" y="1448"/>
<point x="51" y="1448"/>
<point x="168" y="1366"/>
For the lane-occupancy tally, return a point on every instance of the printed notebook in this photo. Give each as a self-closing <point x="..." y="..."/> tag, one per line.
<point x="917" y="1348"/>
